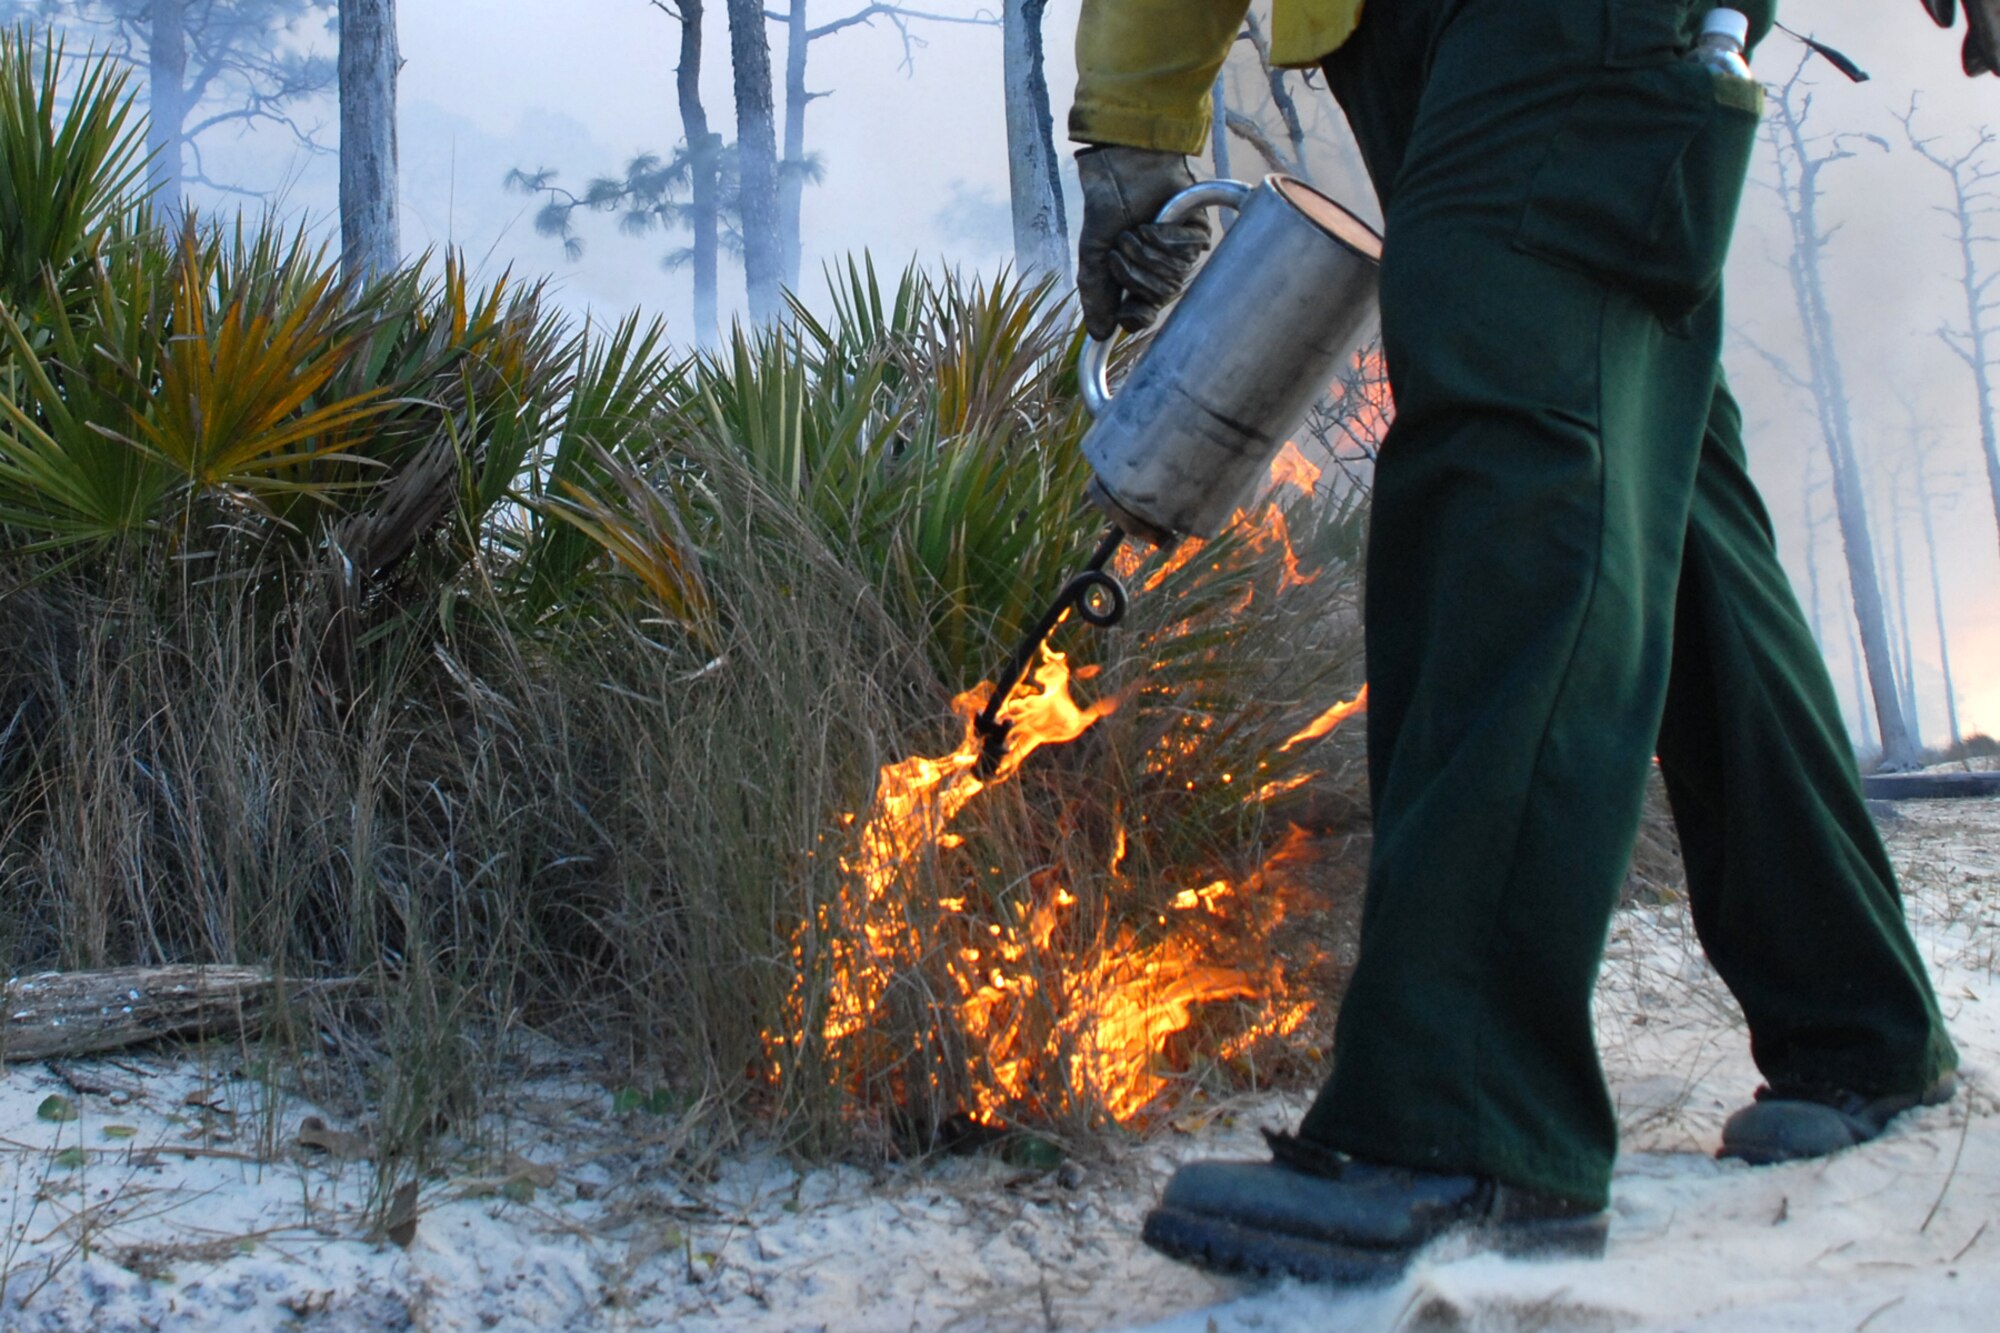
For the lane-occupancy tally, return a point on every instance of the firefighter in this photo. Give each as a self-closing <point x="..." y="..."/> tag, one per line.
<point x="1569" y="573"/>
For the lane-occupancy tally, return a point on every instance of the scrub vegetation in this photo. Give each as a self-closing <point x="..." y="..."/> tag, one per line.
<point x="520" y="674"/>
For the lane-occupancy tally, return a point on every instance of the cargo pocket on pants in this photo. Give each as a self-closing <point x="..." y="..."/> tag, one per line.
<point x="1639" y="189"/>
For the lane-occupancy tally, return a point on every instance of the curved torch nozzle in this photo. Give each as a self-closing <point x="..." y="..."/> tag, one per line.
<point x="1097" y="597"/>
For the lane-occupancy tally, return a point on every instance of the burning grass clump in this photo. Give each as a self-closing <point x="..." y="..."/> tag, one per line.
<point x="528" y="678"/>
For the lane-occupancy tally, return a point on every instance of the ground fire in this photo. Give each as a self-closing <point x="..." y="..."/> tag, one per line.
<point x="1054" y="1004"/>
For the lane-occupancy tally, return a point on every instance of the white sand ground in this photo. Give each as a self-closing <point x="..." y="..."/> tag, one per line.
<point x="208" y="1216"/>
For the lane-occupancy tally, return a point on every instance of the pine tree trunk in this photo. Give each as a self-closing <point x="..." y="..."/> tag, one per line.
<point x="1041" y="231"/>
<point x="757" y="159"/>
<point x="1218" y="129"/>
<point x="1829" y="387"/>
<point x="704" y="167"/>
<point x="370" y="238"/>
<point x="166" y="96"/>
<point x="1812" y="558"/>
<point x="1864" y="713"/>
<point x="792" y="170"/>
<point x="1908" y="653"/>
<point x="1982" y="372"/>
<point x="1937" y="601"/>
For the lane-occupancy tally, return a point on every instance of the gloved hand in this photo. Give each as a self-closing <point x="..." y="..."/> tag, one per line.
<point x="1127" y="265"/>
<point x="1981" y="54"/>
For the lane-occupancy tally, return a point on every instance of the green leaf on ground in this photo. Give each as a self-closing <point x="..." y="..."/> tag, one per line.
<point x="120" y="1131"/>
<point x="658" y="1101"/>
<point x="69" y="1159"/>
<point x="56" y="1107"/>
<point x="1031" y="1151"/>
<point x="518" y="1190"/>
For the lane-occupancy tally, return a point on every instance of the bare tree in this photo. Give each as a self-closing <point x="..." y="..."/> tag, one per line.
<point x="1924" y="505"/>
<point x="370" y="241"/>
<point x="211" y="64"/>
<point x="1800" y="162"/>
<point x="798" y="168"/>
<point x="1291" y="158"/>
<point x="1218" y="133"/>
<point x="1816" y="519"/>
<point x="1973" y="204"/>
<point x="1905" y="645"/>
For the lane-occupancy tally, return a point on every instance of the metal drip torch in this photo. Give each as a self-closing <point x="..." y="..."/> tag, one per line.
<point x="1264" y="328"/>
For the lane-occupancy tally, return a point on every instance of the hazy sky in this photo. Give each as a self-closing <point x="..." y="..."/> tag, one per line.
<point x="915" y="165"/>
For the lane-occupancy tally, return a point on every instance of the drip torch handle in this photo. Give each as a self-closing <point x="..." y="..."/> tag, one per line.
<point x="991" y="729"/>
<point x="1093" y="363"/>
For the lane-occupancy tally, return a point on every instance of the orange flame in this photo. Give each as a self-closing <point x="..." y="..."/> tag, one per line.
<point x="916" y="800"/>
<point x="1268" y="528"/>
<point x="1328" y="720"/>
<point x="1108" y="1006"/>
<point x="1293" y="468"/>
<point x="1032" y="980"/>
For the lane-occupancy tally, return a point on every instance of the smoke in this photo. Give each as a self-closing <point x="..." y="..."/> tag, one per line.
<point x="913" y="143"/>
<point x="1891" y="267"/>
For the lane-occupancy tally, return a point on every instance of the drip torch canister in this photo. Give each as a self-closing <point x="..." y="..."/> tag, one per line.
<point x="1263" y="331"/>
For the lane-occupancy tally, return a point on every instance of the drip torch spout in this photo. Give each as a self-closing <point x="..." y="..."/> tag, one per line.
<point x="1097" y="598"/>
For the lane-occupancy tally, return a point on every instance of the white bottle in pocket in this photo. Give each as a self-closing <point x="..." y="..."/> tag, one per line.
<point x="1720" y="46"/>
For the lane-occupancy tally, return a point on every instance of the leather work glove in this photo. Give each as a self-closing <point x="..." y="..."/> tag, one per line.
<point x="1981" y="54"/>
<point x="1127" y="265"/>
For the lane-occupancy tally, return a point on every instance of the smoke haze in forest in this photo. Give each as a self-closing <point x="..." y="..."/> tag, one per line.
<point x="913" y="146"/>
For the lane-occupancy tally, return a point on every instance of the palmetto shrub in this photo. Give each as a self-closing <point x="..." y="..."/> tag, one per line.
<point x="522" y="670"/>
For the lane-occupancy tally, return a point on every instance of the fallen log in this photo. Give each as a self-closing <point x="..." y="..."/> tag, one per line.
<point x="1930" y="786"/>
<point x="57" y="1014"/>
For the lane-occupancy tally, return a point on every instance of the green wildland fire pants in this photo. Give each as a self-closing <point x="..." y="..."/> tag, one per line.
<point x="1569" y="572"/>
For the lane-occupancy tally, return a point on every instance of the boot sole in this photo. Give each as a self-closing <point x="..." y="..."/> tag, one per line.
<point x="1223" y="1246"/>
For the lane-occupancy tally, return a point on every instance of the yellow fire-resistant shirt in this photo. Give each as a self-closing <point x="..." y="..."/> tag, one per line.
<point x="1144" y="67"/>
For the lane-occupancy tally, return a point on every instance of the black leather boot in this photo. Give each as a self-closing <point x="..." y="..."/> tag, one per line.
<point x="1324" y="1217"/>
<point x="1792" y="1124"/>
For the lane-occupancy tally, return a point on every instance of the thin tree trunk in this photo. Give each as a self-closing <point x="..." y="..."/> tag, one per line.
<point x="1801" y="196"/>
<point x="370" y="238"/>
<point x="757" y="159"/>
<point x="1864" y="714"/>
<point x="1976" y="353"/>
<point x="166" y="97"/>
<point x="1909" y="651"/>
<point x="1041" y="231"/>
<point x="1812" y="555"/>
<point x="1973" y="204"/>
<point x="1218" y="133"/>
<point x="1281" y="96"/>
<point x="792" y="170"/>
<point x="704" y="168"/>
<point x="1937" y="600"/>
<point x="1981" y="364"/>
